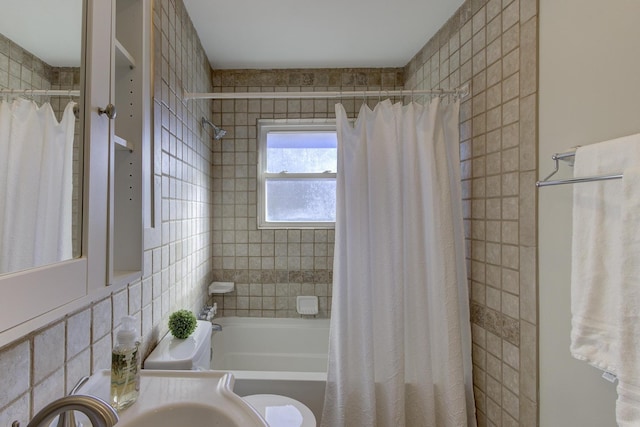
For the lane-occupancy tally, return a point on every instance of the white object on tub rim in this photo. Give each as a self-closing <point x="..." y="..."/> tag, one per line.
<point x="307" y="305"/>
<point x="221" y="287"/>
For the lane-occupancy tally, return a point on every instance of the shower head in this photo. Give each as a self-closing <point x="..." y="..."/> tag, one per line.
<point x="218" y="133"/>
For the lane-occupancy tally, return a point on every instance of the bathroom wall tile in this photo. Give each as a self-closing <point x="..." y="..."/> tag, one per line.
<point x="528" y="57"/>
<point x="48" y="351"/>
<point x="511" y="330"/>
<point x="511" y="355"/>
<point x="120" y="306"/>
<point x="19" y="411"/>
<point x="510" y="184"/>
<point x="528" y="281"/>
<point x="510" y="305"/>
<point x="511" y="14"/>
<point x="511" y="62"/>
<point x="101" y="319"/>
<point x="493" y="298"/>
<point x="511" y="379"/>
<point x="510" y="38"/>
<point x="528" y="361"/>
<point x="493" y="276"/>
<point x="101" y="354"/>
<point x="510" y="256"/>
<point x="15" y="364"/>
<point x="494" y="370"/>
<point x="508" y="421"/>
<point x="76" y="368"/>
<point x="511" y="111"/>
<point x="528" y="413"/>
<point x="48" y="390"/>
<point x="527" y="208"/>
<point x="493" y="412"/>
<point x="510" y="208"/>
<point x="510" y="135"/>
<point x="494" y="344"/>
<point x="511" y="279"/>
<point x="78" y="333"/>
<point x="528" y="133"/>
<point x="509" y="232"/>
<point x="511" y="403"/>
<point x="493" y="231"/>
<point x="493" y="390"/>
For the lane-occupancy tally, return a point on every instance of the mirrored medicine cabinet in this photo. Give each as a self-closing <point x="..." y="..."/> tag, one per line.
<point x="107" y="68"/>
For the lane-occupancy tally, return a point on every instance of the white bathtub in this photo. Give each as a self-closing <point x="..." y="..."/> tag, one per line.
<point x="277" y="356"/>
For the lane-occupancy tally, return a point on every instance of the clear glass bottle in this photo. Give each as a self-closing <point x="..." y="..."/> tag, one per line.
<point x="125" y="366"/>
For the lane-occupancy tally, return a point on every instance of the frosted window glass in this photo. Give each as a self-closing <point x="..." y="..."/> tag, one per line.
<point x="301" y="152"/>
<point x="301" y="200"/>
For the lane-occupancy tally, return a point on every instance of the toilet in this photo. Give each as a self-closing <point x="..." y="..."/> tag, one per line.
<point x="194" y="353"/>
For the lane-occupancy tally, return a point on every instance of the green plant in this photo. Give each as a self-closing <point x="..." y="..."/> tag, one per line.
<point x="182" y="323"/>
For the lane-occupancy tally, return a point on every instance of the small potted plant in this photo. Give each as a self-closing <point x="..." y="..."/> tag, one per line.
<point x="182" y="323"/>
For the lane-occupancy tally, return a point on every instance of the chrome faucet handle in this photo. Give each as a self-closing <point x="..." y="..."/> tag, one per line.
<point x="68" y="419"/>
<point x="99" y="412"/>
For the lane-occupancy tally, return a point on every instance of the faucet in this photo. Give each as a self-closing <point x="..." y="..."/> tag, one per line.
<point x="99" y="412"/>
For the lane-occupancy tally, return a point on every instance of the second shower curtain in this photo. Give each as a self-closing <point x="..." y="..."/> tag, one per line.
<point x="35" y="184"/>
<point x="400" y="333"/>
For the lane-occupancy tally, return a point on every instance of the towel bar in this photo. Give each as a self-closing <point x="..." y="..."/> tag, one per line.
<point x="569" y="156"/>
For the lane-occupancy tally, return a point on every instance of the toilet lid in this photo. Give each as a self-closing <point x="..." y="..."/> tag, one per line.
<point x="282" y="411"/>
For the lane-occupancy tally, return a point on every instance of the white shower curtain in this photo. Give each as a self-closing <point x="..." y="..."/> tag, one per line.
<point x="35" y="184"/>
<point x="400" y="333"/>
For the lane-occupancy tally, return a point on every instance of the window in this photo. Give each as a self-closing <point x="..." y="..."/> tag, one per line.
<point x="297" y="164"/>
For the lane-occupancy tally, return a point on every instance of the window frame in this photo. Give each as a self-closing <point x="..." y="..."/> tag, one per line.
<point x="287" y="125"/>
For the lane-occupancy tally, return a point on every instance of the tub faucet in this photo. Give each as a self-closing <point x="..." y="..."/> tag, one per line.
<point x="99" y="412"/>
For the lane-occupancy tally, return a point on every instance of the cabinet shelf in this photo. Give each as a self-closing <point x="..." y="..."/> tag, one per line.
<point x="123" y="57"/>
<point x="122" y="144"/>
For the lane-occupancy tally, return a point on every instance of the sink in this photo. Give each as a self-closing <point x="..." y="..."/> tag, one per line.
<point x="182" y="414"/>
<point x="174" y="398"/>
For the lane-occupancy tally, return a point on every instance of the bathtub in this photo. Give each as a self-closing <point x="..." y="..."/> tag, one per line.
<point x="276" y="356"/>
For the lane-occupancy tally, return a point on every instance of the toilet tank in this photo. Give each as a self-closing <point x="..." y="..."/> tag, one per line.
<point x="193" y="353"/>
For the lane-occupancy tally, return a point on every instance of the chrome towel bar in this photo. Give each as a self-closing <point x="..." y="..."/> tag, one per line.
<point x="568" y="157"/>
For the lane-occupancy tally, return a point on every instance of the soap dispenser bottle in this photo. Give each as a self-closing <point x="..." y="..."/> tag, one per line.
<point x="125" y="365"/>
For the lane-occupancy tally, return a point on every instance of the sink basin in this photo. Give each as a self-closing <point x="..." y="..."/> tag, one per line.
<point x="182" y="414"/>
<point x="179" y="398"/>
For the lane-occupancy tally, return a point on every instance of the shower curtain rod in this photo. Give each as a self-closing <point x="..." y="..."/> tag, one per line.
<point x="45" y="92"/>
<point x="461" y="92"/>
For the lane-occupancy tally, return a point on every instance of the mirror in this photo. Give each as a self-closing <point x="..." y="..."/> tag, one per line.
<point x="41" y="152"/>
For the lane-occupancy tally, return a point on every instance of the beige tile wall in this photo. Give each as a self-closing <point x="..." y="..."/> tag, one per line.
<point x="45" y="365"/>
<point x="272" y="267"/>
<point x="492" y="46"/>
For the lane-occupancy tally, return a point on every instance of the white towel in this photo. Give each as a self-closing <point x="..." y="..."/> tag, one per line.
<point x="596" y="265"/>
<point x="628" y="361"/>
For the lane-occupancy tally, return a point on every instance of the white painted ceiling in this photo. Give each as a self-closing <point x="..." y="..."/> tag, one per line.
<point x="257" y="34"/>
<point x="313" y="34"/>
<point x="49" y="29"/>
